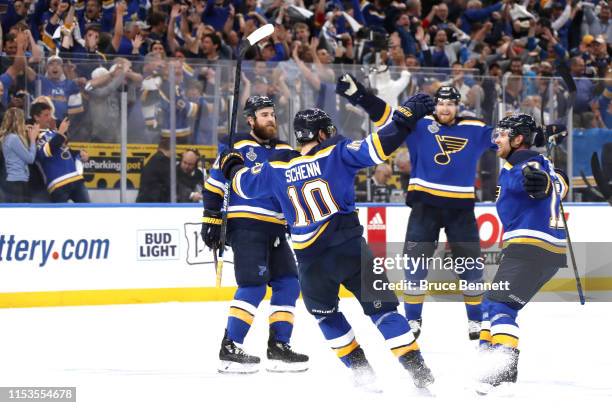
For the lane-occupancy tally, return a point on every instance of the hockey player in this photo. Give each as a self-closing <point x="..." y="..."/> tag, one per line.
<point x="262" y="256"/>
<point x="444" y="151"/>
<point x="529" y="192"/>
<point x="315" y="190"/>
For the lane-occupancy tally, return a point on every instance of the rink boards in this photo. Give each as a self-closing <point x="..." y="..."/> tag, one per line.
<point x="115" y="254"/>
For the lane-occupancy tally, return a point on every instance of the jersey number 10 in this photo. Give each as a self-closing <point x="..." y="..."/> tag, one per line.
<point x="309" y="191"/>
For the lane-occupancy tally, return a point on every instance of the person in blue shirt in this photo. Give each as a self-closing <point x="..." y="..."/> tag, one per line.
<point x="315" y="190"/>
<point x="444" y="151"/>
<point x="528" y="204"/>
<point x="19" y="150"/>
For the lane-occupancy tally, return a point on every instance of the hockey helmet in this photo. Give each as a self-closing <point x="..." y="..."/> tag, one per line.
<point x="518" y="124"/>
<point x="308" y="122"/>
<point x="255" y="103"/>
<point x="447" y="92"/>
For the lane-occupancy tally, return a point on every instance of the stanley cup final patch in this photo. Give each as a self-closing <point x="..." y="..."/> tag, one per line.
<point x="251" y="155"/>
<point x="433" y="127"/>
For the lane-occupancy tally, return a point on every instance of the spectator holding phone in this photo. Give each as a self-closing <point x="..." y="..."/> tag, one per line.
<point x="19" y="149"/>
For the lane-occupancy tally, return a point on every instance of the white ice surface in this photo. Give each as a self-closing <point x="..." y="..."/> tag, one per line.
<point x="165" y="355"/>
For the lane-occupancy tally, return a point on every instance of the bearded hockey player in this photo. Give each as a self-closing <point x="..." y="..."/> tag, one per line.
<point x="262" y="256"/>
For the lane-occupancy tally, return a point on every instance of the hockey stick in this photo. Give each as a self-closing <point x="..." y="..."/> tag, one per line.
<point x="251" y="40"/>
<point x="551" y="142"/>
<point x="603" y="184"/>
<point x="593" y="190"/>
<point x="551" y="134"/>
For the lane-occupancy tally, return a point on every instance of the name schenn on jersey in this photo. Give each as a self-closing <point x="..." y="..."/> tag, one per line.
<point x="303" y="172"/>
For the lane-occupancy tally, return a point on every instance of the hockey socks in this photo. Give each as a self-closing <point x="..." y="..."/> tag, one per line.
<point x="413" y="306"/>
<point x="402" y="343"/>
<point x="339" y="335"/>
<point x="242" y="311"/>
<point x="285" y="291"/>
<point x="396" y="331"/>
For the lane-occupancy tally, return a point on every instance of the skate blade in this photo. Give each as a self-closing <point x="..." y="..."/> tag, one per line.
<point x="483" y="389"/>
<point x="505" y="389"/>
<point x="231" y="367"/>
<point x="277" y="366"/>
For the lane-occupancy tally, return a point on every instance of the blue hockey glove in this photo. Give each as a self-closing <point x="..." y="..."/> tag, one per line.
<point x="413" y="109"/>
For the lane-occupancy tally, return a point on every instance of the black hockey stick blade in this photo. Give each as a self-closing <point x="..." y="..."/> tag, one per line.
<point x="602" y="181"/>
<point x="590" y="187"/>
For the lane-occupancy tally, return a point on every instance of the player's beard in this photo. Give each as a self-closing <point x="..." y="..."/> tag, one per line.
<point x="264" y="132"/>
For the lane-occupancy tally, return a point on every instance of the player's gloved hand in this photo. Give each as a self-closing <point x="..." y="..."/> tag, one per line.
<point x="211" y="228"/>
<point x="230" y="162"/>
<point x="536" y="183"/>
<point x="413" y="109"/>
<point x="350" y="88"/>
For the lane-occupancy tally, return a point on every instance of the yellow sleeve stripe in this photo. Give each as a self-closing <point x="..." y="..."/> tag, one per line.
<point x="213" y="189"/>
<point x="378" y="146"/>
<point x="384" y="117"/>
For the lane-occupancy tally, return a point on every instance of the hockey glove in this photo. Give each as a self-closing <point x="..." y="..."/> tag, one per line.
<point x="413" y="109"/>
<point x="536" y="183"/>
<point x="350" y="88"/>
<point x="230" y="162"/>
<point x="211" y="228"/>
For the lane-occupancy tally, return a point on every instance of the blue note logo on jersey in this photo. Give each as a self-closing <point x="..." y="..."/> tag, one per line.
<point x="448" y="145"/>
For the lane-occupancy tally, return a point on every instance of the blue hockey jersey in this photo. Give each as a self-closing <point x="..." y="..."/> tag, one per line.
<point x="259" y="214"/>
<point x="56" y="160"/>
<point x="316" y="191"/>
<point x="443" y="158"/>
<point x="533" y="228"/>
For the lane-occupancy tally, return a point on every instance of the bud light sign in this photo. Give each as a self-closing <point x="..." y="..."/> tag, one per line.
<point x="158" y="245"/>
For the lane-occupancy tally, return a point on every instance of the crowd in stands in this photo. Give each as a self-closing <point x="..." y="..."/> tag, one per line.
<point x="174" y="58"/>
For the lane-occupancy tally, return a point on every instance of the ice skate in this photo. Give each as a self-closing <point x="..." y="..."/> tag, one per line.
<point x="282" y="359"/>
<point x="233" y="359"/>
<point x="414" y="363"/>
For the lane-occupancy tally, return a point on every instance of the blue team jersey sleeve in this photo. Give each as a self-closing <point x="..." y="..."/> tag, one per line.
<point x="214" y="186"/>
<point x="254" y="182"/>
<point x="373" y="150"/>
